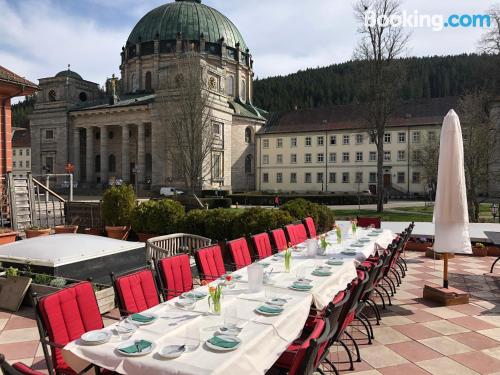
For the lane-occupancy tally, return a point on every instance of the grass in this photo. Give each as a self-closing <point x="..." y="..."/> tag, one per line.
<point x="386" y="215"/>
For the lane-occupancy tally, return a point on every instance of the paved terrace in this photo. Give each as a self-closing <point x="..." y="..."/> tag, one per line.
<point x="415" y="336"/>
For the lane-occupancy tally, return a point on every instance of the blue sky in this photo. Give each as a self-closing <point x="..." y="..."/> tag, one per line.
<point x="40" y="37"/>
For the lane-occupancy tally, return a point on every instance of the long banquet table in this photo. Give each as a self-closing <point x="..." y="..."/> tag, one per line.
<point x="264" y="338"/>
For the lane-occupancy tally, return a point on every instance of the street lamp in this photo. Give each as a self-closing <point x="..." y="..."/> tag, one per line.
<point x="494" y="211"/>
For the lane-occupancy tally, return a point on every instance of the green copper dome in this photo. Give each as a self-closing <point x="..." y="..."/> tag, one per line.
<point x="191" y="19"/>
<point x="70" y="74"/>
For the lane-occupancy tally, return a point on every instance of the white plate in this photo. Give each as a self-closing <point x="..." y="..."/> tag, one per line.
<point x="171" y="351"/>
<point x="96" y="337"/>
<point x="299" y="289"/>
<point x="222" y="331"/>
<point x="335" y="262"/>
<point x="126" y="344"/>
<point x="195" y="293"/>
<point x="276" y="301"/>
<point x="268" y="313"/>
<point x="227" y="338"/>
<point x="130" y="320"/>
<point x="349" y="252"/>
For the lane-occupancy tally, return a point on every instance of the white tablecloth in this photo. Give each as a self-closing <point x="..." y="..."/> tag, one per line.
<point x="263" y="338"/>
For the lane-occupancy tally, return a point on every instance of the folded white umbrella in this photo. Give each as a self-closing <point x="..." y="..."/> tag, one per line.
<point x="451" y="217"/>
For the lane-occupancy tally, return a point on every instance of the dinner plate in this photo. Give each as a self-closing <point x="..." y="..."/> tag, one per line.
<point x="349" y="252"/>
<point x="226" y="338"/>
<point x="276" y="301"/>
<point x="96" y="337"/>
<point x="335" y="262"/>
<point x="126" y="344"/>
<point x="268" y="313"/>
<point x="172" y="351"/>
<point x="194" y="294"/>
<point x="223" y="331"/>
<point x="154" y="316"/>
<point x="364" y="240"/>
<point x="321" y="273"/>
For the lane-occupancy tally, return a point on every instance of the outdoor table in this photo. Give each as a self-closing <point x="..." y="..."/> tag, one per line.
<point x="495" y="239"/>
<point x="264" y="338"/>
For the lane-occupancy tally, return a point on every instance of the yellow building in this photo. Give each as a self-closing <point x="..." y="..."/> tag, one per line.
<point x="331" y="149"/>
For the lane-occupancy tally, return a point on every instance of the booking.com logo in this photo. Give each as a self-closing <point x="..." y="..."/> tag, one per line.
<point x="435" y="21"/>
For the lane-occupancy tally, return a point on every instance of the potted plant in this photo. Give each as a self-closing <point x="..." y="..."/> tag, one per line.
<point x="59" y="229"/>
<point x="35" y="231"/>
<point x="7" y="235"/>
<point x="479" y="250"/>
<point x="117" y="205"/>
<point x="13" y="288"/>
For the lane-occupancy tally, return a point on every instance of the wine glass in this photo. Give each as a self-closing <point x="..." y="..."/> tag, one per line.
<point x="192" y="341"/>
<point x="301" y="274"/>
<point x="230" y="317"/>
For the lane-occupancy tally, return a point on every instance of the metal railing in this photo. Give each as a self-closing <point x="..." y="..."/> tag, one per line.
<point x="48" y="212"/>
<point x="173" y="244"/>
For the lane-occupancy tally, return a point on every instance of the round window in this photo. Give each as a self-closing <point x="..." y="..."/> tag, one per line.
<point x="52" y="95"/>
<point x="83" y="97"/>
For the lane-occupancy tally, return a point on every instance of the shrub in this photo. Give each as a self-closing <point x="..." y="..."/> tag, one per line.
<point x="300" y="208"/>
<point x="58" y="282"/>
<point x="215" y="202"/>
<point x="194" y="222"/>
<point x="219" y="223"/>
<point x="117" y="205"/>
<point x="157" y="216"/>
<point x="257" y="220"/>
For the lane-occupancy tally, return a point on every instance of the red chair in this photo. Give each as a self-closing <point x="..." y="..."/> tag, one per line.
<point x="64" y="316"/>
<point x="17" y="368"/>
<point x="279" y="239"/>
<point x="300" y="233"/>
<point x="301" y="357"/>
<point x="365" y="222"/>
<point x="262" y="245"/>
<point x="310" y="226"/>
<point x="136" y="291"/>
<point x="239" y="252"/>
<point x="210" y="263"/>
<point x="292" y="235"/>
<point x="174" y="276"/>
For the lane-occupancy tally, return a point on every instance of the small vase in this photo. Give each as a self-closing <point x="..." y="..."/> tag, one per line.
<point x="288" y="257"/>
<point x="215" y="307"/>
<point x="339" y="239"/>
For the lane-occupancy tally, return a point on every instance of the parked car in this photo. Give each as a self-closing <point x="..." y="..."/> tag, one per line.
<point x="168" y="191"/>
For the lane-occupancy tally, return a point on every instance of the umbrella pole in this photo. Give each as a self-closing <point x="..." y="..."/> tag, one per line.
<point x="445" y="271"/>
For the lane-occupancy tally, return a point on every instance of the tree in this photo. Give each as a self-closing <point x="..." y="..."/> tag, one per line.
<point x="427" y="157"/>
<point x="185" y="111"/>
<point x="490" y="41"/>
<point x="380" y="45"/>
<point x="478" y="145"/>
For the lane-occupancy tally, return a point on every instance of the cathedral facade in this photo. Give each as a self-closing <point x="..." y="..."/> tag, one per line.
<point x="120" y="133"/>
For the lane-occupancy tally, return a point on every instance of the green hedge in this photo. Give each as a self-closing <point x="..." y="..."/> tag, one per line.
<point x="117" y="205"/>
<point x="327" y="198"/>
<point x="301" y="208"/>
<point x="158" y="216"/>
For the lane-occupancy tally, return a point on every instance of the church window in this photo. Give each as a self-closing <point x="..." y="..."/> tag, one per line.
<point x="111" y="163"/>
<point x="243" y="89"/>
<point x="111" y="135"/>
<point x="52" y="95"/>
<point x="83" y="96"/>
<point x="248" y="135"/>
<point x="248" y="164"/>
<point x="149" y="163"/>
<point x="147" y="81"/>
<point x="135" y="84"/>
<point x="49" y="134"/>
<point x="230" y="85"/>
<point x="97" y="163"/>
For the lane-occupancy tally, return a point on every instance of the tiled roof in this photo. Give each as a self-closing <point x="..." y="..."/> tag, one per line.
<point x="10" y="77"/>
<point x="21" y="138"/>
<point x="344" y="117"/>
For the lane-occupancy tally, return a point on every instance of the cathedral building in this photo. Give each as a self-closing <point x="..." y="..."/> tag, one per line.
<point x="121" y="133"/>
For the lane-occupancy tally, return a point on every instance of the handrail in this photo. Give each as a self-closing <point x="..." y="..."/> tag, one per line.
<point x="173" y="244"/>
<point x="48" y="190"/>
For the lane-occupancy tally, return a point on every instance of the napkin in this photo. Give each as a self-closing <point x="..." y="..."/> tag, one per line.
<point x="335" y="262"/>
<point x="357" y="245"/>
<point x="302" y="286"/>
<point x="270" y="309"/>
<point x="142" y="318"/>
<point x="143" y="344"/>
<point x="217" y="341"/>
<point x="321" y="273"/>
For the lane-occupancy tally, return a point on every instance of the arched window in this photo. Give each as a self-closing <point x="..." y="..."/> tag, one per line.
<point x="248" y="135"/>
<point x="230" y="86"/>
<point x="243" y="90"/>
<point x="147" y="81"/>
<point x="248" y="164"/>
<point x="111" y="163"/>
<point x="97" y="163"/>
<point x="52" y="95"/>
<point x="149" y="163"/>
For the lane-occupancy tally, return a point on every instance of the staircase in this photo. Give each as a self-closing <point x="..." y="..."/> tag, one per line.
<point x="31" y="204"/>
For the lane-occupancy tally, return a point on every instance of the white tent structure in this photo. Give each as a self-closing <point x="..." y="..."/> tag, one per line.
<point x="451" y="215"/>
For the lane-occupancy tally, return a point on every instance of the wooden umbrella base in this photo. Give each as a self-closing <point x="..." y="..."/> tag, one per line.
<point x="429" y="253"/>
<point x="445" y="296"/>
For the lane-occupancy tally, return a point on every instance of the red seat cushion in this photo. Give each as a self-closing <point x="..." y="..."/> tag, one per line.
<point x="300" y="233"/>
<point x="23" y="369"/>
<point x="240" y="252"/>
<point x="210" y="263"/>
<point x="291" y="232"/>
<point x="176" y="275"/>
<point x="67" y="314"/>
<point x="279" y="239"/>
<point x="262" y="245"/>
<point x="364" y="222"/>
<point x="137" y="291"/>
<point x="311" y="228"/>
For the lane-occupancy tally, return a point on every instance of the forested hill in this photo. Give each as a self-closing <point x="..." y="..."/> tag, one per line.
<point x="21" y="111"/>
<point x="425" y="77"/>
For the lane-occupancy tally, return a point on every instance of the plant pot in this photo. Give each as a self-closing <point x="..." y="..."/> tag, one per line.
<point x="494" y="251"/>
<point x="143" y="237"/>
<point x="8" y="237"/>
<point x="418" y="246"/>
<point x="66" y="229"/>
<point x="30" y="233"/>
<point x="93" y="231"/>
<point x="479" y="251"/>
<point x="118" y="232"/>
<point x="13" y="290"/>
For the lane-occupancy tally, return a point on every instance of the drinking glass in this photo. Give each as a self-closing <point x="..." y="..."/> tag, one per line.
<point x="231" y="317"/>
<point x="124" y="329"/>
<point x="192" y="341"/>
<point x="301" y="273"/>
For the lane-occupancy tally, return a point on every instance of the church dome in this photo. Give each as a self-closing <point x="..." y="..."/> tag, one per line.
<point x="70" y="74"/>
<point x="191" y="19"/>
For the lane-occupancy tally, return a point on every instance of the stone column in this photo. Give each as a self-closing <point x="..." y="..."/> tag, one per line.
<point x="125" y="154"/>
<point x="89" y="155"/>
<point x="141" y="154"/>
<point x="104" y="155"/>
<point x="76" y="154"/>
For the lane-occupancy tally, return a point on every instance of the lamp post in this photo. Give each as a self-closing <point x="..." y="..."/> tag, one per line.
<point x="494" y="211"/>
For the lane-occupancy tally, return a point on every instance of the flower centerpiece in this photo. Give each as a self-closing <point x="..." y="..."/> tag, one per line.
<point x="354" y="226"/>
<point x="288" y="258"/>
<point x="228" y="281"/>
<point x="215" y="295"/>
<point x="323" y="243"/>
<point x="338" y="232"/>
